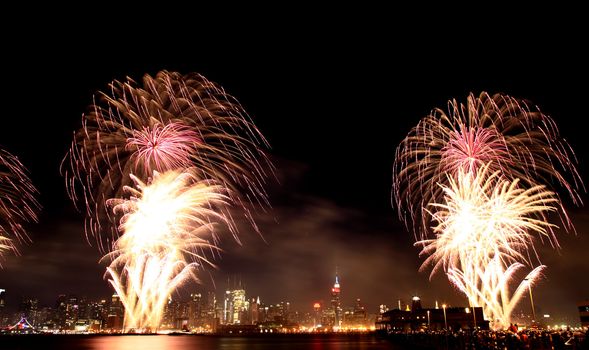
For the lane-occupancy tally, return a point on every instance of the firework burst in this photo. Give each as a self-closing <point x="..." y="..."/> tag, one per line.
<point x="486" y="173"/>
<point x="17" y="202"/>
<point x="485" y="216"/>
<point x="172" y="121"/>
<point x="164" y="226"/>
<point x="485" y="228"/>
<point x="510" y="134"/>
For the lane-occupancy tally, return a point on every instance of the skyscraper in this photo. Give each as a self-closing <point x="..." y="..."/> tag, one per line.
<point x="316" y="314"/>
<point x="254" y="311"/>
<point x="115" y="313"/>
<point x="2" y="307"/>
<point x="239" y="306"/>
<point x="335" y="302"/>
<point x="60" y="311"/>
<point x="227" y="307"/>
<point x="196" y="310"/>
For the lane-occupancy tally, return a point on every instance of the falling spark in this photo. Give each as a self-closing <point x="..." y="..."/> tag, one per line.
<point x="17" y="202"/>
<point x="487" y="174"/>
<point x="171" y="122"/>
<point x="485" y="229"/>
<point x="509" y="134"/>
<point x="164" y="229"/>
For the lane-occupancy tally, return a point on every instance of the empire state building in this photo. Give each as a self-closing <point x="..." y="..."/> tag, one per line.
<point x="335" y="302"/>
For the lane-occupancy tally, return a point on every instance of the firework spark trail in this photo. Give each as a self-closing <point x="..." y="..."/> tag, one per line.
<point x="491" y="289"/>
<point x="489" y="215"/>
<point x="171" y="122"/>
<point x="164" y="229"/>
<point x="486" y="173"/>
<point x="514" y="137"/>
<point x="485" y="229"/>
<point x="17" y="202"/>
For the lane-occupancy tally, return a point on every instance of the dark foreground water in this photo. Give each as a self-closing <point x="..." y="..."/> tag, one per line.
<point x="152" y="342"/>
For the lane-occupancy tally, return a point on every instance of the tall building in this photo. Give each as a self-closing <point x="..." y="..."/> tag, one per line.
<point x="235" y="307"/>
<point x="254" y="314"/>
<point x="335" y="303"/>
<point x="46" y="318"/>
<point x="95" y="312"/>
<point x="316" y="314"/>
<point x="2" y="302"/>
<point x="195" y="314"/>
<point x="227" y="307"/>
<point x="71" y="311"/>
<point x="359" y="311"/>
<point x="115" y="313"/>
<point x="2" y="307"/>
<point x="60" y="311"/>
<point x="239" y="306"/>
<point x="277" y="313"/>
<point x="212" y="312"/>
<point x="355" y="317"/>
<point x="176" y="315"/>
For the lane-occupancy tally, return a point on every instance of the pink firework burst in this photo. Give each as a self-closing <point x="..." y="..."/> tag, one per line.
<point x="158" y="147"/>
<point x="171" y="121"/>
<point x="472" y="148"/>
<point x="512" y="136"/>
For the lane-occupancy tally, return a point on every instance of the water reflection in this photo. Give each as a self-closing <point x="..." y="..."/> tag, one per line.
<point x="235" y="343"/>
<point x="142" y="342"/>
<point x="193" y="342"/>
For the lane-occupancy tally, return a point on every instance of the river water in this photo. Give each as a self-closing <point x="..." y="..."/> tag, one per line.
<point x="153" y="342"/>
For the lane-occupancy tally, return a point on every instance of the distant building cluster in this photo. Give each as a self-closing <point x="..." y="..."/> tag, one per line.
<point x="203" y="312"/>
<point x="69" y="313"/>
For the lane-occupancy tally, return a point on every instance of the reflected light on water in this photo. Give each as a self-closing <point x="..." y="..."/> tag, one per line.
<point x="195" y="342"/>
<point x="139" y="342"/>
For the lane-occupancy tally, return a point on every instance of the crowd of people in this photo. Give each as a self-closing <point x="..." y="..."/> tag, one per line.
<point x="491" y="340"/>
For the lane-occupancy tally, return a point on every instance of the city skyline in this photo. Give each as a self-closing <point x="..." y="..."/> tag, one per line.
<point x="205" y="311"/>
<point x="333" y="132"/>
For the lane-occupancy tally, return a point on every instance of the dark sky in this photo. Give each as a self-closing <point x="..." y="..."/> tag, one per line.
<point x="334" y="102"/>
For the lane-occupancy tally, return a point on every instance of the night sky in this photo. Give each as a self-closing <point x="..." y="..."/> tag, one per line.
<point x="334" y="104"/>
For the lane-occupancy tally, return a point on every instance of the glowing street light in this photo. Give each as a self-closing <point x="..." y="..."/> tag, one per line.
<point x="428" y="319"/>
<point x="445" y="321"/>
